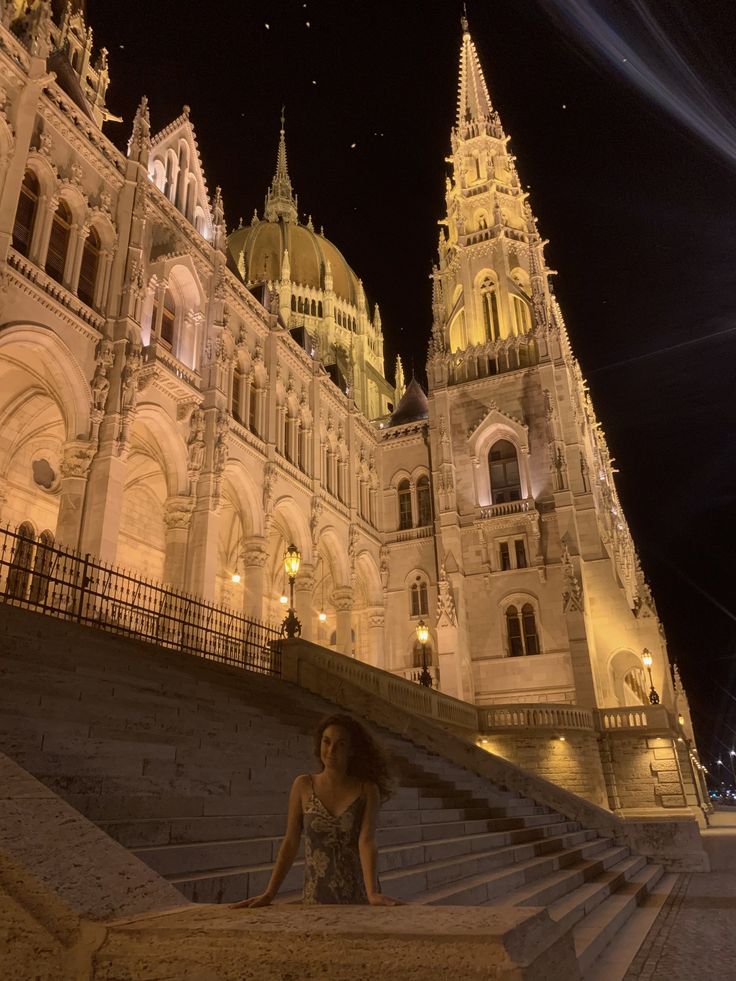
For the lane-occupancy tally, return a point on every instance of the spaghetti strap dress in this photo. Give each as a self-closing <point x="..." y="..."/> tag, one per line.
<point x="332" y="869"/>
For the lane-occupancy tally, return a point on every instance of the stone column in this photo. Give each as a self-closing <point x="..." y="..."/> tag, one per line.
<point x="376" y="640"/>
<point x="177" y="516"/>
<point x="303" y="589"/>
<point x="342" y="599"/>
<point x="253" y="555"/>
<point x="75" y="466"/>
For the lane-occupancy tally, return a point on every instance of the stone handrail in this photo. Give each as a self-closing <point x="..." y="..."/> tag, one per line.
<point x="539" y="715"/>
<point x="41" y="279"/>
<point x="509" y="507"/>
<point x="409" y="534"/>
<point x="449" y="727"/>
<point x="651" y="717"/>
<point x="305" y="661"/>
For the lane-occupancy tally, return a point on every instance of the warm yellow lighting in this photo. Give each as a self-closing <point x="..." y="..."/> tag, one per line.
<point x="235" y="578"/>
<point x="292" y="561"/>
<point x="646" y="658"/>
<point x="563" y="739"/>
<point x="283" y="599"/>
<point x="681" y="719"/>
<point x="422" y="632"/>
<point x="322" y="616"/>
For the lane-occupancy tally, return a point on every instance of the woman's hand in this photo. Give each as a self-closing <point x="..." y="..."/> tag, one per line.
<point x="379" y="899"/>
<point x="263" y="900"/>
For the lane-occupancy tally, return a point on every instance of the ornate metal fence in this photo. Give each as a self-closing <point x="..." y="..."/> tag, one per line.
<point x="62" y="583"/>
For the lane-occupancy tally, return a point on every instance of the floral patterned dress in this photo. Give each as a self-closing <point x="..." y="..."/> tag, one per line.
<point x="332" y="869"/>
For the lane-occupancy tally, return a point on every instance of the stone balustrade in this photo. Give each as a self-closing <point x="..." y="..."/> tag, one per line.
<point x="535" y="716"/>
<point x="649" y="717"/>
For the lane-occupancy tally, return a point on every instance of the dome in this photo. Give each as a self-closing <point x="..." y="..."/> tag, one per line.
<point x="262" y="247"/>
<point x="413" y="406"/>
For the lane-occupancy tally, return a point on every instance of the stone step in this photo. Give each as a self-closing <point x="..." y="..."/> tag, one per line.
<point x="595" y="865"/>
<point x="493" y="885"/>
<point x="572" y="908"/>
<point x="593" y="934"/>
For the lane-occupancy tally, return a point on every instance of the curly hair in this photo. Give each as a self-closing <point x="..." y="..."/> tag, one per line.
<point x="368" y="760"/>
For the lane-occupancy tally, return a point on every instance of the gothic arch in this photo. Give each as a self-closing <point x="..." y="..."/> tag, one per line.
<point x="37" y="350"/>
<point x="244" y="492"/>
<point x="367" y="569"/>
<point x="495" y="426"/>
<point x="627" y="677"/>
<point x="156" y="434"/>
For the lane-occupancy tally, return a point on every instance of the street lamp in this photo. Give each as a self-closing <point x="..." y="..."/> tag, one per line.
<point x="425" y="678"/>
<point x="291" y="627"/>
<point x="647" y="659"/>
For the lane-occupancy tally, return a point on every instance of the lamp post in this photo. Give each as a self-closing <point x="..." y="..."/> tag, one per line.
<point x="647" y="660"/>
<point x="425" y="678"/>
<point x="291" y="627"/>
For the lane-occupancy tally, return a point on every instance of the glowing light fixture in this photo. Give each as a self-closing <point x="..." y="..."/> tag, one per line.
<point x="292" y="561"/>
<point x="425" y="678"/>
<point x="283" y="599"/>
<point x="647" y="658"/>
<point x="647" y="661"/>
<point x="322" y="616"/>
<point x="235" y="578"/>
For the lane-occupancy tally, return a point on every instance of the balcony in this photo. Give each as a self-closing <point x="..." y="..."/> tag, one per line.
<point x="60" y="294"/>
<point x="507" y="508"/>
<point x="409" y="534"/>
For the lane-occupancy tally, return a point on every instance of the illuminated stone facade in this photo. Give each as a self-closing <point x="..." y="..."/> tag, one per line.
<point x="186" y="404"/>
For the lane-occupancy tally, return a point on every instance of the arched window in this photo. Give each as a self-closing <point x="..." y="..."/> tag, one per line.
<point x="521" y="629"/>
<point x="319" y="309"/>
<point x="21" y="562"/>
<point x="482" y="221"/>
<point x="419" y="598"/>
<point x="252" y="403"/>
<point x="293" y="303"/>
<point x="88" y="268"/>
<point x="531" y="640"/>
<point x="313" y="309"/>
<point x="25" y="214"/>
<point x="169" y="186"/>
<point x="521" y="315"/>
<point x="61" y="228"/>
<point x="503" y="465"/>
<point x="424" y="502"/>
<point x="489" y="299"/>
<point x="405" y="517"/>
<point x="168" y="319"/>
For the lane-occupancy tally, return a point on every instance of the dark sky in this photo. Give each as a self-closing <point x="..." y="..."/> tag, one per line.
<point x="639" y="212"/>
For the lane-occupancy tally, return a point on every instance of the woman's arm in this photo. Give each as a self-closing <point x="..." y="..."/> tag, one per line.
<point x="287" y="851"/>
<point x="367" y="850"/>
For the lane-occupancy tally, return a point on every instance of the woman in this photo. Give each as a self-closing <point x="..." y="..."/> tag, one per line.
<point x="337" y="808"/>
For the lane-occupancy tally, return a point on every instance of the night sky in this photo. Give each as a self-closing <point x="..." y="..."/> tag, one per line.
<point x="639" y="211"/>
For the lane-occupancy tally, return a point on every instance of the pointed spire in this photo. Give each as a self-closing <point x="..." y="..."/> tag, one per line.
<point x="139" y="143"/>
<point x="400" y="386"/>
<point x="473" y="101"/>
<point x="280" y="200"/>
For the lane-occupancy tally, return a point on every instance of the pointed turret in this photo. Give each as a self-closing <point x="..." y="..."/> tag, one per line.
<point x="139" y="144"/>
<point x="280" y="199"/>
<point x="400" y="386"/>
<point x="473" y="101"/>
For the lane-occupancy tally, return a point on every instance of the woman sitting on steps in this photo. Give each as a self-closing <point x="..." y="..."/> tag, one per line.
<point x="337" y="808"/>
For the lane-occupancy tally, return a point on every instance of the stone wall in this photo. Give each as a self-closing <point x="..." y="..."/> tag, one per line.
<point x="646" y="772"/>
<point x="572" y="760"/>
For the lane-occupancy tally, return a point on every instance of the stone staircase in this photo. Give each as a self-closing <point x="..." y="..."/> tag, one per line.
<point x="188" y="764"/>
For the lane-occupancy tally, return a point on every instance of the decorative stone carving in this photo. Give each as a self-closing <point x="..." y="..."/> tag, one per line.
<point x="195" y="445"/>
<point x="572" y="597"/>
<point x="384" y="566"/>
<point x="269" y="479"/>
<point x="77" y="458"/>
<point x="314" y="517"/>
<point x="178" y="512"/>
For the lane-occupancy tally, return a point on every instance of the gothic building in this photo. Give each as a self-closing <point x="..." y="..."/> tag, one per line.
<point x="185" y="403"/>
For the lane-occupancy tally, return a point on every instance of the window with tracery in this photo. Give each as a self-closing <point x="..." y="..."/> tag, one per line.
<point x="424" y="502"/>
<point x="419" y="597"/>
<point x="489" y="300"/>
<point x="521" y="631"/>
<point x="25" y="214"/>
<point x="503" y="465"/>
<point x="89" y="268"/>
<point x="405" y="516"/>
<point x="61" y="228"/>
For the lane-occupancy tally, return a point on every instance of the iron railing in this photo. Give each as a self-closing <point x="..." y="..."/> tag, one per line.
<point x="59" y="582"/>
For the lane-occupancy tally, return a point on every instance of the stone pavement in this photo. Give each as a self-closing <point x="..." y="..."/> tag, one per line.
<point x="693" y="935"/>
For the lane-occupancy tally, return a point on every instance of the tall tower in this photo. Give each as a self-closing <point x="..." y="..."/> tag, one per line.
<point x="552" y="604"/>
